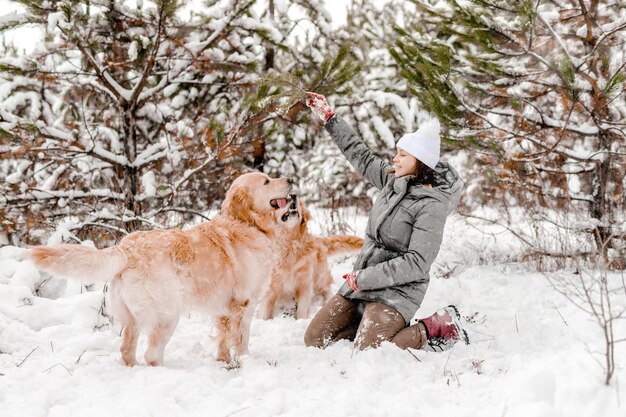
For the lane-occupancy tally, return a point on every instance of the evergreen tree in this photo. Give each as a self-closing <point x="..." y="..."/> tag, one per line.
<point x="376" y="102"/>
<point x="128" y="117"/>
<point x="538" y="88"/>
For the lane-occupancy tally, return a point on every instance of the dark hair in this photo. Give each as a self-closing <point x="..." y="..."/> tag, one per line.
<point x="423" y="174"/>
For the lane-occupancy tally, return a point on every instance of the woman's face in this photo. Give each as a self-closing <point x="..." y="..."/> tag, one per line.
<point x="404" y="163"/>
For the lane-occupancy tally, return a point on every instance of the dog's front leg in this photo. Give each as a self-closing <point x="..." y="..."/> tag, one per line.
<point x="241" y="317"/>
<point x="244" y="329"/>
<point x="303" y="301"/>
<point x="223" y="334"/>
<point x="304" y="292"/>
<point x="266" y="309"/>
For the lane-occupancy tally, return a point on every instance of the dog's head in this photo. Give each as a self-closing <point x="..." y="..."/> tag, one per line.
<point x="261" y="201"/>
<point x="299" y="216"/>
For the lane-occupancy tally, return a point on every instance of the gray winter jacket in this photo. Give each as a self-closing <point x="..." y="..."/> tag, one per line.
<point x="404" y="230"/>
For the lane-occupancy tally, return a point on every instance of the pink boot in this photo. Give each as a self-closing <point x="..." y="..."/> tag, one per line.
<point x="443" y="329"/>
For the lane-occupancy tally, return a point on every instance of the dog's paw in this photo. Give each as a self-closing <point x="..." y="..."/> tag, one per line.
<point x="233" y="364"/>
<point x="130" y="362"/>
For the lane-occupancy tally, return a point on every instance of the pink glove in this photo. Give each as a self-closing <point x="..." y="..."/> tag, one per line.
<point x="351" y="280"/>
<point x="320" y="106"/>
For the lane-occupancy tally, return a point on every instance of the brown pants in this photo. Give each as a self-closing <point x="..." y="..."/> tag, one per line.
<point x="367" y="323"/>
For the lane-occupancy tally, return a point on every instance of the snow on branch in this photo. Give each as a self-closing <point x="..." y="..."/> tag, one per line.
<point x="119" y="90"/>
<point x="57" y="134"/>
<point x="154" y="153"/>
<point x="149" y="64"/>
<point x="99" y="152"/>
<point x="12" y="20"/>
<point x="189" y="173"/>
<point x="383" y="98"/>
<point x="557" y="38"/>
<point x="217" y="27"/>
<point x="37" y="194"/>
<point x="112" y="85"/>
<point x="545" y="121"/>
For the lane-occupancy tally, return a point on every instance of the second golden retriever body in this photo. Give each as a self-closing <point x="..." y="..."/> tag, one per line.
<point x="218" y="267"/>
<point x="302" y="272"/>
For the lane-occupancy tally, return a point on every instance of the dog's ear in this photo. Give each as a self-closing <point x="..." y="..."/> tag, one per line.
<point x="238" y="205"/>
<point x="305" y="214"/>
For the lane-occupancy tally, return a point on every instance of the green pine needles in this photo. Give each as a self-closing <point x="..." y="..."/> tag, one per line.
<point x="288" y="91"/>
<point x="281" y="91"/>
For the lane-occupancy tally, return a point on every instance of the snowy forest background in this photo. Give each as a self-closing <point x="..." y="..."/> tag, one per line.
<point x="133" y="115"/>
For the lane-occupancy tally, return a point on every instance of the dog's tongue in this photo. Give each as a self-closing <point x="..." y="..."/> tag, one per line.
<point x="282" y="202"/>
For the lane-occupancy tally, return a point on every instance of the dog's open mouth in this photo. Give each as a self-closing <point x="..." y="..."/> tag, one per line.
<point x="289" y="214"/>
<point x="283" y="202"/>
<point x="280" y="202"/>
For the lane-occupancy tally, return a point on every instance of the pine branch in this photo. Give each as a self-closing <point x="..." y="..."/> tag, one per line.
<point x="289" y="91"/>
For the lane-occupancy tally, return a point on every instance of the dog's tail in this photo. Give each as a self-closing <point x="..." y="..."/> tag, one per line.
<point x="79" y="262"/>
<point x="341" y="244"/>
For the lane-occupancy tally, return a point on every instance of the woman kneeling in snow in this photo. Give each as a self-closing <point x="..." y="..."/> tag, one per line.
<point x="402" y="239"/>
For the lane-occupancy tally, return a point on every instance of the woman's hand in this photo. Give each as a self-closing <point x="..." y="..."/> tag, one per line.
<point x="319" y="106"/>
<point x="350" y="278"/>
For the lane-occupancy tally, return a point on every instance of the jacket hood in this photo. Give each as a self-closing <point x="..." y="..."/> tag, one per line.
<point x="446" y="187"/>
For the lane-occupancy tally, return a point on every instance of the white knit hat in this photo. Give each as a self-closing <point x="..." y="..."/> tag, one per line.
<point x="424" y="143"/>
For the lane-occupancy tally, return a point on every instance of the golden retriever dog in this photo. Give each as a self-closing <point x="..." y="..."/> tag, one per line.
<point x="302" y="272"/>
<point x="218" y="267"/>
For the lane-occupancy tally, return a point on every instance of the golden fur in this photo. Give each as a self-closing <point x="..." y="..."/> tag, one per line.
<point x="218" y="267"/>
<point x="302" y="272"/>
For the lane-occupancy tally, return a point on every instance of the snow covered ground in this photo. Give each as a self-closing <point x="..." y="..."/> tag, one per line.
<point x="532" y="354"/>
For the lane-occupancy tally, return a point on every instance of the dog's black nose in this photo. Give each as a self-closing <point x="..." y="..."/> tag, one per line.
<point x="294" y="198"/>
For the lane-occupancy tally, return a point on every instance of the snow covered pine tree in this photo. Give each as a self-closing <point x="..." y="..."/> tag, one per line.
<point x="538" y="87"/>
<point x="131" y="117"/>
<point x="126" y="117"/>
<point x="376" y="102"/>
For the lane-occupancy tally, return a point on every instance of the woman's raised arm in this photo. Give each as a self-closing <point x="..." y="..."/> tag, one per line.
<point x="373" y="168"/>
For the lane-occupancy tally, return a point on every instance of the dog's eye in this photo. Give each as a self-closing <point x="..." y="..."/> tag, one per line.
<point x="267" y="181"/>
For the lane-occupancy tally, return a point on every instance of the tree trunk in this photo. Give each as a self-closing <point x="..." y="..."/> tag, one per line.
<point x="601" y="209"/>
<point x="131" y="175"/>
<point x="269" y="54"/>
